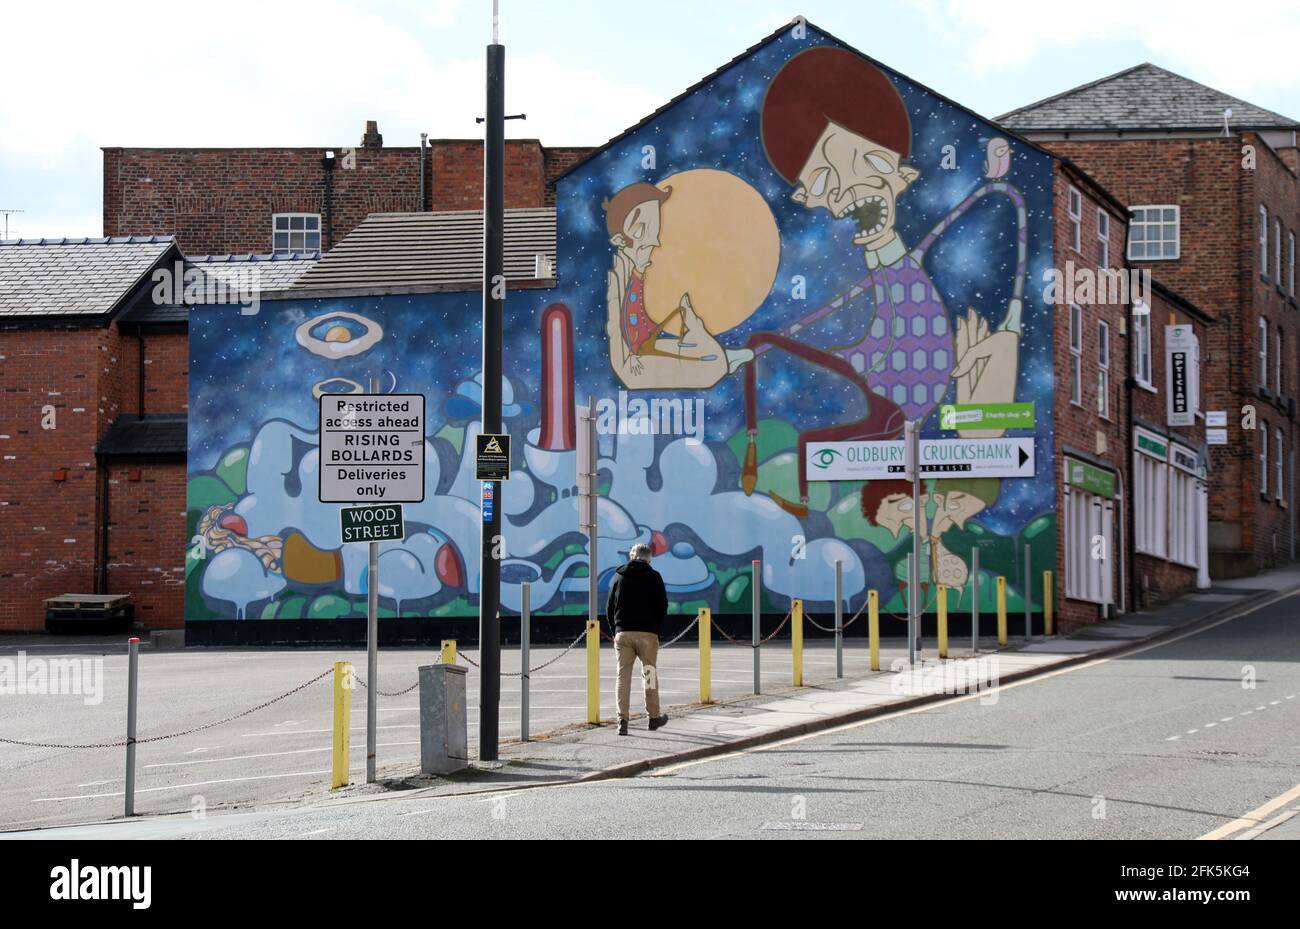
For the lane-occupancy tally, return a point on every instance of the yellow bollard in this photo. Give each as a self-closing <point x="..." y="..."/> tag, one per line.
<point x="593" y="672"/>
<point x="1002" y="611"/>
<point x="943" y="621"/>
<point x="448" y="651"/>
<point x="343" y="680"/>
<point x="873" y="627"/>
<point x="1049" y="627"/>
<point x="796" y="640"/>
<point x="706" y="655"/>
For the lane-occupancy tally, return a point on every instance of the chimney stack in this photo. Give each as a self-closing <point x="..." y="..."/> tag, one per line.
<point x="372" y="138"/>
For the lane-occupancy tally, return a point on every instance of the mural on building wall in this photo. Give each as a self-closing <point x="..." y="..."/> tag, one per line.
<point x="805" y="249"/>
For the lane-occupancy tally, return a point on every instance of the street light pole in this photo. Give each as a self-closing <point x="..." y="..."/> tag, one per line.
<point x="494" y="293"/>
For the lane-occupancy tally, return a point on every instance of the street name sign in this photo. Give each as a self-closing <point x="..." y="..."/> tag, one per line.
<point x="372" y="448"/>
<point x="384" y="523"/>
<point x="875" y="461"/>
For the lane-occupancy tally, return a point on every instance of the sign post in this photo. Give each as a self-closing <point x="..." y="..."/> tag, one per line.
<point x="372" y="452"/>
<point x="912" y="472"/>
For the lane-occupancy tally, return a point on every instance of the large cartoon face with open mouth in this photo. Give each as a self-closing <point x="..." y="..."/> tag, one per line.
<point x="852" y="177"/>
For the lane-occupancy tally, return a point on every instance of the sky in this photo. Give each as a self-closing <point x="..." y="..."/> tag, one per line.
<point x="79" y="76"/>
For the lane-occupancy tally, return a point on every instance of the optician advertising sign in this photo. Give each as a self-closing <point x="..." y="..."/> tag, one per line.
<point x="876" y="461"/>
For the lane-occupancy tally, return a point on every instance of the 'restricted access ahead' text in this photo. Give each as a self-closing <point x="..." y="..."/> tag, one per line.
<point x="372" y="448"/>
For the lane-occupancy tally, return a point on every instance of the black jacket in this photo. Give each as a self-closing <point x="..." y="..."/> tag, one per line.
<point x="637" y="599"/>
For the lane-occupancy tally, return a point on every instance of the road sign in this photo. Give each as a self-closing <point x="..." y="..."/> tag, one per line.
<point x="876" y="461"/>
<point x="384" y="523"/>
<point x="1216" y="419"/>
<point x="492" y="459"/>
<point x="954" y="416"/>
<point x="489" y="501"/>
<point x="372" y="448"/>
<point x="1216" y="436"/>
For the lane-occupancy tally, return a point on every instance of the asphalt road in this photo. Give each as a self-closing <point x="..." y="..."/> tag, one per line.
<point x="1166" y="743"/>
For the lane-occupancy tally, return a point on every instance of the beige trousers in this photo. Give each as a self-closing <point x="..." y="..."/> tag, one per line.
<point x="632" y="646"/>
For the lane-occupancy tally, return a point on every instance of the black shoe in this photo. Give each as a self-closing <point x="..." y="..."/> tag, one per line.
<point x="622" y="727"/>
<point x="658" y="723"/>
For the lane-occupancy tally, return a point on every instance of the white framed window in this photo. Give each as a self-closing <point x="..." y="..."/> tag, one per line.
<point x="1262" y="348"/>
<point x="1103" y="236"/>
<point x="1277" y="363"/>
<point x="1277" y="251"/>
<point x="1076" y="220"/>
<point x="1103" y="370"/>
<point x="1076" y="354"/>
<point x="1088" y="517"/>
<point x="1279" y="465"/>
<point x="1142" y="343"/>
<point x="1263" y="459"/>
<point x="1154" y="233"/>
<point x="295" y="232"/>
<point x="1263" y="240"/>
<point x="1184" y="509"/>
<point x="1290" y="273"/>
<point x="1151" y="496"/>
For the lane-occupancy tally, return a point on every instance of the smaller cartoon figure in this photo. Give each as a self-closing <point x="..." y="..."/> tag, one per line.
<point x="678" y="354"/>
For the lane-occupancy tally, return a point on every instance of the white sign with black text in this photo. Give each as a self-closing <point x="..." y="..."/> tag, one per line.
<point x="372" y="448"/>
<point x="1182" y="374"/>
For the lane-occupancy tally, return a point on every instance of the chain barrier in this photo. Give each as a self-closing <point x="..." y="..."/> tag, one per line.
<point x="384" y="693"/>
<point x="843" y="628"/>
<point x="776" y="631"/>
<point x="681" y="635"/>
<point x="121" y="743"/>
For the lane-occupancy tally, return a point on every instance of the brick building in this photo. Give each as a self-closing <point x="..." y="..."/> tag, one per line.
<point x="1213" y="183"/>
<point x="278" y="200"/>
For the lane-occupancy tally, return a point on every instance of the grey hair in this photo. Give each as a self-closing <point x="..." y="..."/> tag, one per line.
<point x="640" y="552"/>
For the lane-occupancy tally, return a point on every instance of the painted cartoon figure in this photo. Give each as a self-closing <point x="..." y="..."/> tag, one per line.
<point x="835" y="127"/>
<point x="679" y="353"/>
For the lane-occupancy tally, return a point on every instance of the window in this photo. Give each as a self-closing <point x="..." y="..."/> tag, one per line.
<point x="1142" y="343"/>
<point x="1277" y="251"/>
<point x="1153" y="233"/>
<point x="1263" y="353"/>
<point x="1076" y="220"/>
<point x="1103" y="370"/>
<point x="1184" y="509"/>
<point x="1088" y="516"/>
<point x="1290" y="274"/>
<point x="295" y="232"/>
<point x="1076" y="354"/>
<point x="1263" y="459"/>
<point x="1277" y="363"/>
<point x="1279" y="463"/>
<point x="1103" y="237"/>
<point x="1263" y="240"/>
<point x="1150" y="497"/>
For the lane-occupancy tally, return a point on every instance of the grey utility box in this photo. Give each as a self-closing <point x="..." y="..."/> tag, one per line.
<point x="444" y="743"/>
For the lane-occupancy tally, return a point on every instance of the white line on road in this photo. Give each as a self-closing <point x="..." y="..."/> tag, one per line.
<point x="190" y="786"/>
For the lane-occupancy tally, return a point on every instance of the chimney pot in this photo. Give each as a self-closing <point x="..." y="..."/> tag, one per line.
<point x="372" y="138"/>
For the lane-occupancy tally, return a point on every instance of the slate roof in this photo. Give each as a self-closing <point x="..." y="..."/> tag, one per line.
<point x="443" y="251"/>
<point x="74" y="277"/>
<point x="272" y="272"/>
<point x="1142" y="97"/>
<point x="154" y="435"/>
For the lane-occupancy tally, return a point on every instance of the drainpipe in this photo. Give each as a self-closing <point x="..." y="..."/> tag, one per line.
<point x="328" y="220"/>
<point x="1128" y="483"/>
<point x="101" y="568"/>
<point x="424" y="197"/>
<point x="139" y="334"/>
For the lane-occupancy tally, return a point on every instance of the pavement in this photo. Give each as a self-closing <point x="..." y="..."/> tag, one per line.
<point x="254" y="791"/>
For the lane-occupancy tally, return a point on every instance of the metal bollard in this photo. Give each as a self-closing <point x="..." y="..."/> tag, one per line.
<point x="448" y="651"/>
<point x="525" y="633"/>
<point x="1002" y="611"/>
<point x="943" y="622"/>
<point x="1029" y="596"/>
<point x="343" y="682"/>
<point x="756" y="630"/>
<point x="1049" y="626"/>
<point x="873" y="627"/>
<point x="593" y="672"/>
<point x="839" y="619"/>
<point x="796" y="640"/>
<point x="975" y="600"/>
<point x="706" y="655"/>
<point x="132" y="689"/>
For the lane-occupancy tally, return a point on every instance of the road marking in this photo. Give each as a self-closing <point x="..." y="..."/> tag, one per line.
<point x="190" y="786"/>
<point x="301" y="751"/>
<point x="1271" y="824"/>
<point x="317" y="832"/>
<point x="1254" y="817"/>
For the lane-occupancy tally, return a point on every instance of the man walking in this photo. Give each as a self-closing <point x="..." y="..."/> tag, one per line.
<point x="636" y="609"/>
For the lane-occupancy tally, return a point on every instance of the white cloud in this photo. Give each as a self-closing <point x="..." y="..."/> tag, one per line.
<point x="1235" y="52"/>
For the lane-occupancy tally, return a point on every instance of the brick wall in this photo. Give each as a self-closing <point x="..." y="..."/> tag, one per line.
<point x="1079" y="428"/>
<point x="220" y="201"/>
<point x="146" y="539"/>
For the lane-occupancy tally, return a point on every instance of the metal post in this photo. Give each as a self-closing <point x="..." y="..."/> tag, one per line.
<point x="912" y="470"/>
<point x="975" y="601"/>
<point x="873" y="628"/>
<point x="943" y="621"/>
<point x="912" y="585"/>
<point x="839" y="619"/>
<point x="494" y="287"/>
<point x="796" y="641"/>
<point x="1049" y="627"/>
<point x="1002" y="611"/>
<point x="343" y="678"/>
<point x="593" y="672"/>
<point x="756" y="631"/>
<point x="706" y="655"/>
<point x="372" y="647"/>
<point x="132" y="682"/>
<point x="1029" y="596"/>
<point x="592" y="466"/>
<point x="525" y="622"/>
